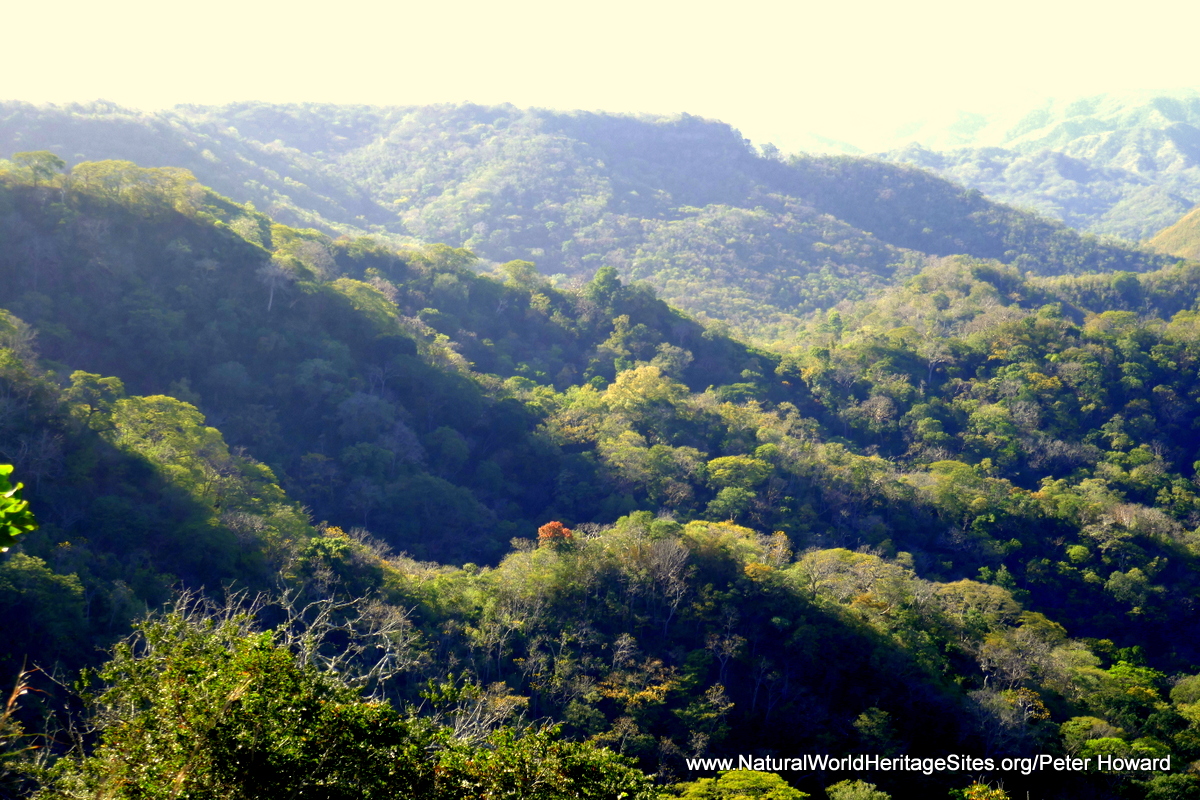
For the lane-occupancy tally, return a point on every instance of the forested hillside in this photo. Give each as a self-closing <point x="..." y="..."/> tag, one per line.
<point x="685" y="204"/>
<point x="507" y="535"/>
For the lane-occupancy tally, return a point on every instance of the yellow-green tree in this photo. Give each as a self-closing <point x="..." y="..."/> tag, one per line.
<point x="739" y="784"/>
<point x="41" y="164"/>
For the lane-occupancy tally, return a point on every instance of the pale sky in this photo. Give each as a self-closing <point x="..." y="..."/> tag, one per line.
<point x="775" y="70"/>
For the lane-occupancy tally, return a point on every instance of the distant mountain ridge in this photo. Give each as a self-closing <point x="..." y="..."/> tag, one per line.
<point x="683" y="203"/>
<point x="1122" y="166"/>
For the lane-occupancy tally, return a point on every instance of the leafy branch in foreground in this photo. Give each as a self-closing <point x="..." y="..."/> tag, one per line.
<point x="15" y="516"/>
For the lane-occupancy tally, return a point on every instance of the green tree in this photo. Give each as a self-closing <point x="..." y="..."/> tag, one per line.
<point x="522" y="275"/>
<point x="603" y="287"/>
<point x="730" y="503"/>
<point x="92" y="398"/>
<point x="742" y="472"/>
<point x="172" y="435"/>
<point x="42" y="614"/>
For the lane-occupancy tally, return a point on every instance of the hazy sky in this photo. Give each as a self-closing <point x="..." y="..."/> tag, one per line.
<point x="775" y="70"/>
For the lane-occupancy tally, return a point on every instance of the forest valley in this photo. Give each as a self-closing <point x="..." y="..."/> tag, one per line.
<point x="329" y="516"/>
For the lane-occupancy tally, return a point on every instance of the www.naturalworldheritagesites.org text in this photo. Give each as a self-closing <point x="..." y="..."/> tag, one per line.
<point x="1026" y="765"/>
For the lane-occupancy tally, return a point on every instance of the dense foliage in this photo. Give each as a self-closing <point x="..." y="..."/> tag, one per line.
<point x="971" y="497"/>
<point x="200" y="705"/>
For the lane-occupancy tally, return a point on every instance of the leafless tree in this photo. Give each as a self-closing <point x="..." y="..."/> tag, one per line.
<point x="274" y="275"/>
<point x="366" y="642"/>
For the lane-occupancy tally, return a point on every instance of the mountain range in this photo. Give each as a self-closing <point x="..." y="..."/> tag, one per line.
<point x="464" y="451"/>
<point x="1118" y="165"/>
<point x="718" y="228"/>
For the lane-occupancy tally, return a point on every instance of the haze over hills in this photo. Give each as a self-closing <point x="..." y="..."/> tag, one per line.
<point x="1123" y="165"/>
<point x="1050" y="122"/>
<point x="685" y="204"/>
<point x="382" y="446"/>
